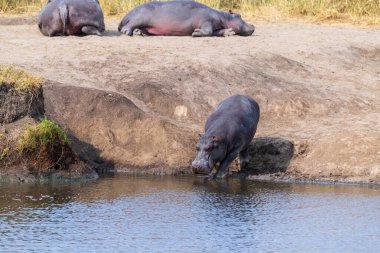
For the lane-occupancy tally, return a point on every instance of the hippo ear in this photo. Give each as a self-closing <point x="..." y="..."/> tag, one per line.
<point x="215" y="138"/>
<point x="230" y="11"/>
<point x="199" y="135"/>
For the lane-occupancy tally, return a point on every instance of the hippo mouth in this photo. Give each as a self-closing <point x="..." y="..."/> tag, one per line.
<point x="248" y="30"/>
<point x="201" y="166"/>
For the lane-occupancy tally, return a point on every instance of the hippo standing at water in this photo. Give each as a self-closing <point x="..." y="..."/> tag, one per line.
<point x="228" y="132"/>
<point x="182" y="18"/>
<point x="71" y="17"/>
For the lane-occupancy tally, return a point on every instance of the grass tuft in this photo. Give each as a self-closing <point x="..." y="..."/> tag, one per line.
<point x="19" y="80"/>
<point x="43" y="137"/>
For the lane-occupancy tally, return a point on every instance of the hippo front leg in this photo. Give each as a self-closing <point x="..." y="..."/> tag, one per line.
<point x="224" y="32"/>
<point x="223" y="168"/>
<point x="140" y="32"/>
<point x="204" y="31"/>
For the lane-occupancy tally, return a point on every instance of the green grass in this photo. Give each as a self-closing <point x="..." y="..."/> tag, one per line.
<point x="18" y="79"/>
<point x="353" y="11"/>
<point x="44" y="136"/>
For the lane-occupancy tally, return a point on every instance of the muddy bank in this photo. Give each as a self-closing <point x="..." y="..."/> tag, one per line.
<point x="29" y="151"/>
<point x="137" y="104"/>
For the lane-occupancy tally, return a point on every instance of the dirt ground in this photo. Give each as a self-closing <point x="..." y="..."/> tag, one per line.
<point x="318" y="86"/>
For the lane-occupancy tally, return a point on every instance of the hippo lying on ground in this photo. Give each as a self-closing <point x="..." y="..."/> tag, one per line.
<point x="182" y="18"/>
<point x="228" y="132"/>
<point x="71" y="17"/>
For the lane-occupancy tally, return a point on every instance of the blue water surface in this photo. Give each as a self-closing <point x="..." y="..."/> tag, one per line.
<point x="188" y="214"/>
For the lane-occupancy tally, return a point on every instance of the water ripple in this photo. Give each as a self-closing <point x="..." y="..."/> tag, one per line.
<point x="186" y="214"/>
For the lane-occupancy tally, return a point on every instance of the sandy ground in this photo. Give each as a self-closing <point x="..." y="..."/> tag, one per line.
<point x="318" y="86"/>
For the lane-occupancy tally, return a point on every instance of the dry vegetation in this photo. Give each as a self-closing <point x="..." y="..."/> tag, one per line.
<point x="18" y="79"/>
<point x="352" y="11"/>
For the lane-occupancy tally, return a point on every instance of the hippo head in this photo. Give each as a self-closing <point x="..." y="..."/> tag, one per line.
<point x="211" y="150"/>
<point x="238" y="25"/>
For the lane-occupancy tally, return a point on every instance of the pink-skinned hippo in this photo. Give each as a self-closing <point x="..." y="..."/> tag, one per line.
<point x="183" y="18"/>
<point x="71" y="17"/>
<point x="228" y="132"/>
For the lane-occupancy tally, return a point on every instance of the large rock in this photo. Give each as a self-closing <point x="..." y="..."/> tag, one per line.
<point x="110" y="131"/>
<point x="270" y="154"/>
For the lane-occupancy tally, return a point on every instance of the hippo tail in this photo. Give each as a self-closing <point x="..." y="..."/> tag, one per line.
<point x="63" y="15"/>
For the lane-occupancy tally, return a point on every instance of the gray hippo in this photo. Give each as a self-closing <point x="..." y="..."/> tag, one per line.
<point x="183" y="18"/>
<point x="228" y="132"/>
<point x="71" y="17"/>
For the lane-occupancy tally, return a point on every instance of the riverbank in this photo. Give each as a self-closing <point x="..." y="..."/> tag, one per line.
<point x="32" y="148"/>
<point x="136" y="105"/>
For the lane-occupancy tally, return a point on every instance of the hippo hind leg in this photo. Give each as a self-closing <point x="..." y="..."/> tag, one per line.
<point x="52" y="30"/>
<point x="130" y="27"/>
<point x="127" y="30"/>
<point x="204" y="31"/>
<point x="91" y="30"/>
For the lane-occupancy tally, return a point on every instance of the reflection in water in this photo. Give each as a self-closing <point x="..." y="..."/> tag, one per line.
<point x="188" y="214"/>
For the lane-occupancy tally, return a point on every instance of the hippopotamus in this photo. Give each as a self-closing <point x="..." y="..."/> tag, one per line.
<point x="71" y="17"/>
<point x="183" y="18"/>
<point x="228" y="132"/>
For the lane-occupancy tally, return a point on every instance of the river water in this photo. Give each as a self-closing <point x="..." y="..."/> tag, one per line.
<point x="188" y="214"/>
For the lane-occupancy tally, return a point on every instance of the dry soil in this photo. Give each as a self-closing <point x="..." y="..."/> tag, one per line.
<point x="318" y="86"/>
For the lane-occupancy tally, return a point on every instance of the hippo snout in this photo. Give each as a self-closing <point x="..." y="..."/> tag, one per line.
<point x="200" y="167"/>
<point x="248" y="29"/>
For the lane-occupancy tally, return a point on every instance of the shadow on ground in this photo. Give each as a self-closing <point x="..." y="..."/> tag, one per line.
<point x="91" y="155"/>
<point x="111" y="33"/>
